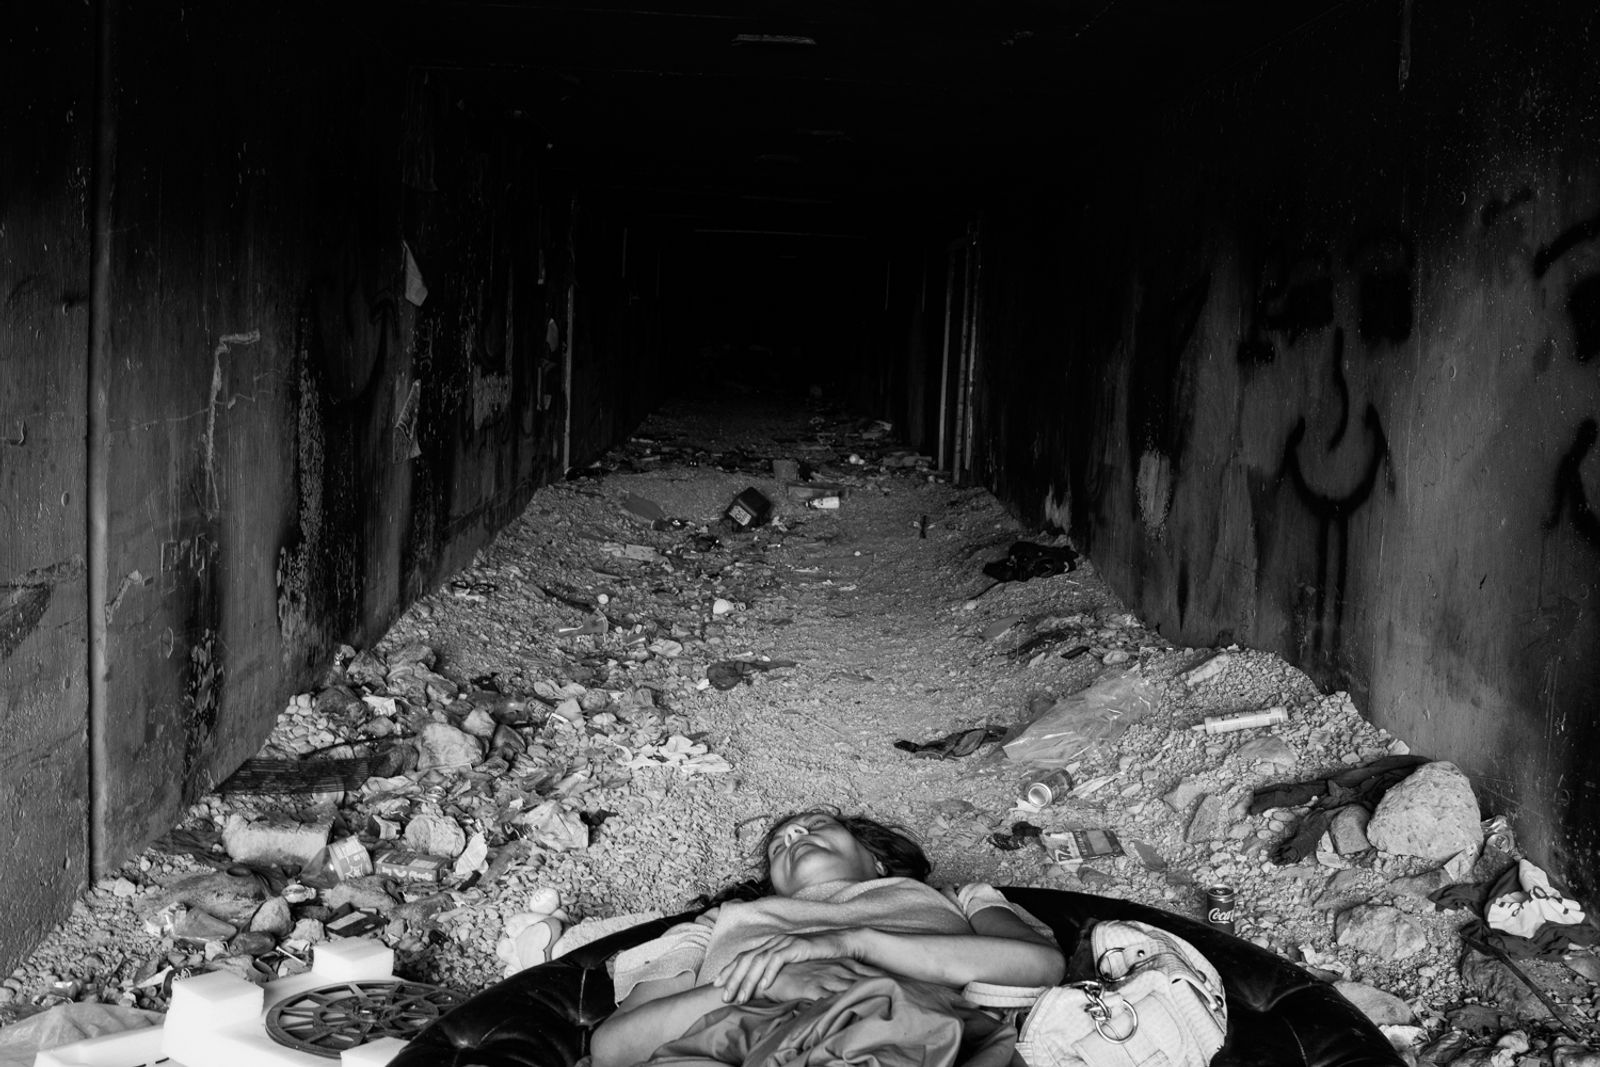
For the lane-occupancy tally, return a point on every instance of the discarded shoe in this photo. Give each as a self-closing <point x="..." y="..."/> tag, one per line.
<point x="953" y="745"/>
<point x="1027" y="560"/>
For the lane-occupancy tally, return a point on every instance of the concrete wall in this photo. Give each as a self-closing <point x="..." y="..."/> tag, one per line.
<point x="45" y="178"/>
<point x="1309" y="364"/>
<point x="291" y="442"/>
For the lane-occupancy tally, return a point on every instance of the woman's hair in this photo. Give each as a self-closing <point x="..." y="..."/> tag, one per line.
<point x="891" y="845"/>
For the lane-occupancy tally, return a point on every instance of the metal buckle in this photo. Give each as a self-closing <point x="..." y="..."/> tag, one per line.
<point x="1102" y="1013"/>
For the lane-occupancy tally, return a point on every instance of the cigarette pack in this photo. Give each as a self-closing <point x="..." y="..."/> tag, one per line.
<point x="1075" y="846"/>
<point x="410" y="866"/>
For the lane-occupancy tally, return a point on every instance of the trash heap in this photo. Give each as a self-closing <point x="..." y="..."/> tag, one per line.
<point x="591" y="722"/>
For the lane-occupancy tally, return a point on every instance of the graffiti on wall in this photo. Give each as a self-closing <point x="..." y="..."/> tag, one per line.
<point x="1577" y="245"/>
<point x="1335" y="471"/>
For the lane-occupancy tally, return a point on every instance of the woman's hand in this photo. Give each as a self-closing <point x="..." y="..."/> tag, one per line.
<point x="815" y="979"/>
<point x="754" y="972"/>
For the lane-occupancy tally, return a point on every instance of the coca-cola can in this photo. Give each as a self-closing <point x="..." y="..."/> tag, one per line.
<point x="1219" y="907"/>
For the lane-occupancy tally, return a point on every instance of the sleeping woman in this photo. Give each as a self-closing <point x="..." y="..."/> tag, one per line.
<point x="851" y="958"/>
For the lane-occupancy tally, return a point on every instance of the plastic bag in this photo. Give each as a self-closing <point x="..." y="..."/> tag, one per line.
<point x="1096" y="715"/>
<point x="554" y="827"/>
<point x="67" y="1024"/>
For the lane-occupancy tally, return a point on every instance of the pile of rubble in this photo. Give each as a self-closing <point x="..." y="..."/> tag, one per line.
<point x="592" y="722"/>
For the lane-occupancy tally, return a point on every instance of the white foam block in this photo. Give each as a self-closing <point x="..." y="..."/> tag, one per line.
<point x="352" y="959"/>
<point x="214" y="1000"/>
<point x="373" y="1054"/>
<point x="132" y="1048"/>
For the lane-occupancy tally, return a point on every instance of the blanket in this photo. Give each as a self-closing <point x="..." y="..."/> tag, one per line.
<point x="879" y="1022"/>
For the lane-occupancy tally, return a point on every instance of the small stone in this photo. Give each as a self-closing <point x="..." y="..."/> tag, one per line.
<point x="1348" y="830"/>
<point x="721" y="606"/>
<point x="479" y="723"/>
<point x="1180" y="796"/>
<point x="1384" y="1009"/>
<point x="196" y="926"/>
<point x="1271" y="750"/>
<point x="252" y="943"/>
<point x="273" y="918"/>
<point x="1342" y="890"/>
<point x="123" y="888"/>
<point x="1212" y="818"/>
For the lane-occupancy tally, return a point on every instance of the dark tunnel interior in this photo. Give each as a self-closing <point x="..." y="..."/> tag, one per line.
<point x="1285" y="312"/>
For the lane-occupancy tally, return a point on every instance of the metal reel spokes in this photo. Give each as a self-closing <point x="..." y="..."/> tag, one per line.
<point x="329" y="1019"/>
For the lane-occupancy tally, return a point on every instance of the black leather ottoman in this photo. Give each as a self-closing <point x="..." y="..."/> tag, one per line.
<point x="1278" y="1015"/>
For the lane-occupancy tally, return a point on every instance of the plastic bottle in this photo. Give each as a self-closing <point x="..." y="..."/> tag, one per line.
<point x="1243" y="720"/>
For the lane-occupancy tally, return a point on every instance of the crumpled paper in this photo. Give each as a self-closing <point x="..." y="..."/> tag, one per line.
<point x="686" y="756"/>
<point x="554" y="827"/>
<point x="1523" y="913"/>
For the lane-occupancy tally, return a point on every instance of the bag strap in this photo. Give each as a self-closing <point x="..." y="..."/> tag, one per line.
<point x="1002" y="997"/>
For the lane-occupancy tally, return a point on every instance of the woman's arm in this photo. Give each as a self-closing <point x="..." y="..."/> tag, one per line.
<point x="659" y="1011"/>
<point x="1001" y="949"/>
<point x="653" y="1013"/>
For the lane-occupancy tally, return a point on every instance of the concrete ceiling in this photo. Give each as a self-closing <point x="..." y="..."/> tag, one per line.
<point x="816" y="114"/>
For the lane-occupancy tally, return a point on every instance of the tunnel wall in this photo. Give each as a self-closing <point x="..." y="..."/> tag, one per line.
<point x="44" y="325"/>
<point x="334" y="305"/>
<point x="1310" y="364"/>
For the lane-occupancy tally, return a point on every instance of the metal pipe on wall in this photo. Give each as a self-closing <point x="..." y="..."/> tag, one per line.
<point x="944" y="358"/>
<point x="96" y="398"/>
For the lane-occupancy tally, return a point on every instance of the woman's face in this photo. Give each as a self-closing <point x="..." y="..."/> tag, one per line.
<point x="814" y="848"/>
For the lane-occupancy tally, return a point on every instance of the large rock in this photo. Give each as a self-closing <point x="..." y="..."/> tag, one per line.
<point x="1432" y="814"/>
<point x="231" y="898"/>
<point x="1380" y="930"/>
<point x="435" y="835"/>
<point x="276" y="839"/>
<point x="1384" y="1009"/>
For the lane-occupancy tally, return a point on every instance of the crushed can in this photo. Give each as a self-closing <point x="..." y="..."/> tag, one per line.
<point x="348" y="858"/>
<point x="1044" y="790"/>
<point x="749" y="509"/>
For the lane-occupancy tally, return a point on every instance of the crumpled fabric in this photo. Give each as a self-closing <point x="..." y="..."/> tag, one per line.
<point x="886" y="1022"/>
<point x="1522" y="912"/>
<point x="1549" y="941"/>
<point x="1361" y="785"/>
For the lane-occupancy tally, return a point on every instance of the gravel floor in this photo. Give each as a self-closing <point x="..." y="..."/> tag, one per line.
<point x="894" y="633"/>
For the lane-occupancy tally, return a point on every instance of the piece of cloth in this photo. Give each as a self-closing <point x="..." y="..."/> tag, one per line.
<point x="1525" y="910"/>
<point x="1549" y="941"/>
<point x="1360" y="785"/>
<point x="897" y="905"/>
<point x="878" y="1022"/>
<point x="953" y="745"/>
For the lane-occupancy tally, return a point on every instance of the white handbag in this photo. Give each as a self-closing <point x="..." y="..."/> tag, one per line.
<point x="1157" y="1002"/>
